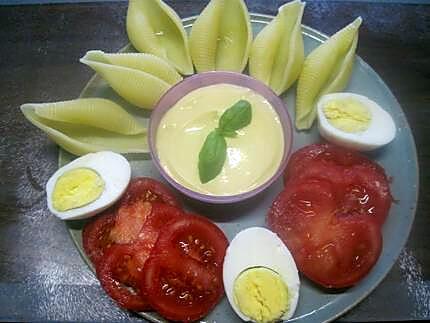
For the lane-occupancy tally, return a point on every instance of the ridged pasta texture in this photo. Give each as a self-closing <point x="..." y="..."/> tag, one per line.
<point x="277" y="52"/>
<point x="154" y="27"/>
<point x="140" y="79"/>
<point x="327" y="69"/>
<point x="88" y="125"/>
<point x="221" y="37"/>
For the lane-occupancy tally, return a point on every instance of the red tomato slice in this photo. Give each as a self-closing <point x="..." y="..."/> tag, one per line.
<point x="180" y="289"/>
<point x="118" y="272"/>
<point x="362" y="188"/>
<point x="95" y="235"/>
<point x="330" y="213"/>
<point x="129" y="221"/>
<point x="135" y="206"/>
<point x="331" y="251"/>
<point x="330" y="160"/>
<point x="345" y="256"/>
<point x="148" y="189"/>
<point x="196" y="237"/>
<point x="183" y="277"/>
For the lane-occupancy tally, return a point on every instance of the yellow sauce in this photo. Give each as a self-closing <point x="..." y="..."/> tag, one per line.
<point x="253" y="156"/>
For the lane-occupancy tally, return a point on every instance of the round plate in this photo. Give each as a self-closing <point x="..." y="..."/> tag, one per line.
<point x="398" y="158"/>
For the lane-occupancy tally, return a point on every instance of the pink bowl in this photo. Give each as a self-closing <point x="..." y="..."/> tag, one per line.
<point x="210" y="78"/>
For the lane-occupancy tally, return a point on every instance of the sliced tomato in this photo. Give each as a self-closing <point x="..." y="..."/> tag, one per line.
<point x="95" y="235"/>
<point x="160" y="215"/>
<point x="345" y="256"/>
<point x="136" y="205"/>
<point x="129" y="221"/>
<point x="328" y="160"/>
<point x="330" y="213"/>
<point x="148" y="189"/>
<point x="180" y="289"/>
<point x="183" y="277"/>
<point x="196" y="237"/>
<point x="119" y="271"/>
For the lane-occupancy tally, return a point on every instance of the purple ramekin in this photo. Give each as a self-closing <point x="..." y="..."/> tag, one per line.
<point x="196" y="81"/>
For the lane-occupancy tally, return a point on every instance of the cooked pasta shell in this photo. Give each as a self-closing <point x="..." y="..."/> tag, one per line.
<point x="88" y="125"/>
<point x="221" y="37"/>
<point x="277" y="52"/>
<point x="141" y="79"/>
<point x="327" y="69"/>
<point x="153" y="27"/>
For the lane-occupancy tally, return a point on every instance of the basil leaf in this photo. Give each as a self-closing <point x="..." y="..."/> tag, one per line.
<point x="212" y="156"/>
<point x="234" y="118"/>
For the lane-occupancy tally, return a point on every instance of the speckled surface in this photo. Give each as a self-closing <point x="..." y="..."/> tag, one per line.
<point x="42" y="276"/>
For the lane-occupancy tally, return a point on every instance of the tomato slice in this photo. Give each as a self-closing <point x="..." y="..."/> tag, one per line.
<point x="196" y="237"/>
<point x="362" y="188"/>
<point x="330" y="213"/>
<point x="136" y="205"/>
<point x="332" y="251"/>
<point x="345" y="256"/>
<point x="329" y="159"/>
<point x="148" y="189"/>
<point x="183" y="277"/>
<point x="119" y="271"/>
<point x="95" y="235"/>
<point x="129" y="221"/>
<point x="180" y="289"/>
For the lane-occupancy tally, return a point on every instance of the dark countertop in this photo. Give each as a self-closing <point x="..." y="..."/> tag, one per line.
<point x="42" y="276"/>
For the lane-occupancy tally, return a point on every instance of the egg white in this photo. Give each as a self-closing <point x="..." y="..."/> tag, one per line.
<point x="113" y="169"/>
<point x="380" y="132"/>
<point x="260" y="247"/>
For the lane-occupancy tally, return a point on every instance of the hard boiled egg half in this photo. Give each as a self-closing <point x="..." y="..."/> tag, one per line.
<point x="260" y="276"/>
<point x="354" y="121"/>
<point x="87" y="185"/>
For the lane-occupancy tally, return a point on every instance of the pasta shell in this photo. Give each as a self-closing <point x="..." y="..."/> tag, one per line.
<point x="327" y="69"/>
<point x="221" y="37"/>
<point x="77" y="126"/>
<point x="141" y="79"/>
<point x="153" y="27"/>
<point x="277" y="52"/>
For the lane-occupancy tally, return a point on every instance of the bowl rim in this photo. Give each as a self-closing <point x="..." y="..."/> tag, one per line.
<point x="204" y="79"/>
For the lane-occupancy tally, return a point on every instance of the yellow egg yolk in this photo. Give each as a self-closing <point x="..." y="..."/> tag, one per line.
<point x="261" y="294"/>
<point x="76" y="188"/>
<point x="347" y="114"/>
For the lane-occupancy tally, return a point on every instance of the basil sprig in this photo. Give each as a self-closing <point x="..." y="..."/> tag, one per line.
<point x="214" y="150"/>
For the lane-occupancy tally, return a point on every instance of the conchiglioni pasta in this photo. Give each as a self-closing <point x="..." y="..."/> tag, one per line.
<point x="77" y="127"/>
<point x="221" y="37"/>
<point x="277" y="52"/>
<point x="327" y="69"/>
<point x="153" y="27"/>
<point x="141" y="79"/>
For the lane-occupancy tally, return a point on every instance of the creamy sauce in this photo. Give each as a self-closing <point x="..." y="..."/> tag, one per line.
<point x="253" y="156"/>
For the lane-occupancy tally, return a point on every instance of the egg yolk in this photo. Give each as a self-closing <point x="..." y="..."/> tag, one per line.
<point x="261" y="294"/>
<point x="76" y="188"/>
<point x="347" y="115"/>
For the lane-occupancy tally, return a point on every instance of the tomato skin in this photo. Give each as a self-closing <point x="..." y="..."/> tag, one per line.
<point x="180" y="289"/>
<point x="330" y="213"/>
<point x="95" y="235"/>
<point x="129" y="221"/>
<point x="148" y="189"/>
<point x="183" y="276"/>
<point x="189" y="237"/>
<point x="118" y="273"/>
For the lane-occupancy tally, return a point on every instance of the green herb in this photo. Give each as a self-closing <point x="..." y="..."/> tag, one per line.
<point x="214" y="150"/>
<point x="212" y="156"/>
<point x="235" y="118"/>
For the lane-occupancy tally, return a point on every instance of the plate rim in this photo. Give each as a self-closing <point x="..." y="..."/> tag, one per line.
<point x="320" y="37"/>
